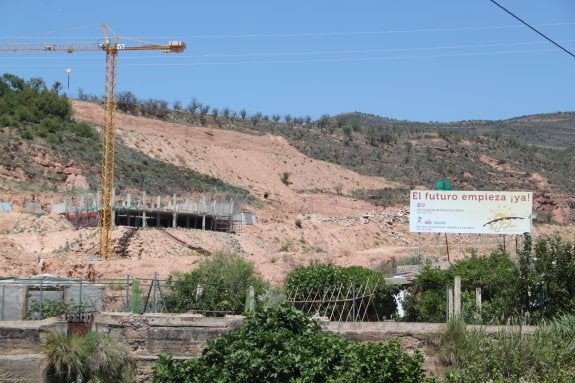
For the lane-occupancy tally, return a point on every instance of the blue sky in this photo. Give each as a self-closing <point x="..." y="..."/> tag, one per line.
<point x="442" y="60"/>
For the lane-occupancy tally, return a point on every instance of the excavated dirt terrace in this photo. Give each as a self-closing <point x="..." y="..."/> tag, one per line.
<point x="335" y="227"/>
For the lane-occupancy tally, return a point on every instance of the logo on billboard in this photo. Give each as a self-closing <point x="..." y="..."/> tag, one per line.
<point x="502" y="219"/>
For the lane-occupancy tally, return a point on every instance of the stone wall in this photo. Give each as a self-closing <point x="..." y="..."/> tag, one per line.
<point x="21" y="358"/>
<point x="181" y="335"/>
<point x="149" y="335"/>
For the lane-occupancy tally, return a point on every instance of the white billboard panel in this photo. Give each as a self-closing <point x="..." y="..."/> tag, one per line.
<point x="481" y="212"/>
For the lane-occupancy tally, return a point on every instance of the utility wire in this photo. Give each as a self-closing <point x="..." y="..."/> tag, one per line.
<point x="293" y="61"/>
<point x="276" y="54"/>
<point x="533" y="28"/>
<point x="289" y="35"/>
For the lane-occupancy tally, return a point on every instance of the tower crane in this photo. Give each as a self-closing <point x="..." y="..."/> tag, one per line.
<point x="111" y="47"/>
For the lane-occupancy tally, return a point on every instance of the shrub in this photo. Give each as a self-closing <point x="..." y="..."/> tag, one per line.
<point x="218" y="284"/>
<point x="298" y="223"/>
<point x="538" y="286"/>
<point x="319" y="280"/>
<point x="48" y="308"/>
<point x="285" y="178"/>
<point x="95" y="358"/>
<point x="472" y="356"/>
<point x="283" y="345"/>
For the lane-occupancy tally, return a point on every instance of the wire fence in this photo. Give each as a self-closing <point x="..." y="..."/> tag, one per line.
<point x="76" y="299"/>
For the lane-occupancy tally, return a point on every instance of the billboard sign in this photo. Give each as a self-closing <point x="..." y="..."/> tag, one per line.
<point x="480" y="212"/>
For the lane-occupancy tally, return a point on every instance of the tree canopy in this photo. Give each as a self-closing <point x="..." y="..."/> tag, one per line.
<point x="537" y="284"/>
<point x="283" y="345"/>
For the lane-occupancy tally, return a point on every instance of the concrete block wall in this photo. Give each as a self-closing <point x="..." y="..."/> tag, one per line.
<point x="21" y="358"/>
<point x="183" y="336"/>
<point x="150" y="335"/>
<point x="12" y="302"/>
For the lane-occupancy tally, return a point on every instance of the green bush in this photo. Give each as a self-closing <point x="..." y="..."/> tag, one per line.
<point x="219" y="284"/>
<point x="536" y="286"/>
<point x="471" y="356"/>
<point x="93" y="358"/>
<point x="282" y="345"/>
<point x="285" y="178"/>
<point x="320" y="280"/>
<point x="48" y="308"/>
<point x="298" y="223"/>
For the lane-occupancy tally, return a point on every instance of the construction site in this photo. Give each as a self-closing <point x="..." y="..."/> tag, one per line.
<point x="202" y="211"/>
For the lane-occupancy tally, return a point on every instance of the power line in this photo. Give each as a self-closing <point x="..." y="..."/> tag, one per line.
<point x="359" y="33"/>
<point x="301" y="53"/>
<point x="533" y="29"/>
<point x="296" y="35"/>
<point x="294" y="61"/>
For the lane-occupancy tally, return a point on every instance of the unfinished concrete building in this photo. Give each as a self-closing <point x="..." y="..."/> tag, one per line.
<point x="203" y="211"/>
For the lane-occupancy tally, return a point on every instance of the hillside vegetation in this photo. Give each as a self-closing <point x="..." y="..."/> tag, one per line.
<point x="40" y="140"/>
<point x="526" y="153"/>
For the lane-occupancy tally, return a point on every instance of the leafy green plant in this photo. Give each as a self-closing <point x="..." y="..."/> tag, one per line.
<point x="537" y="286"/>
<point x="283" y="345"/>
<point x="321" y="279"/>
<point x="46" y="309"/>
<point x="219" y="284"/>
<point x="471" y="356"/>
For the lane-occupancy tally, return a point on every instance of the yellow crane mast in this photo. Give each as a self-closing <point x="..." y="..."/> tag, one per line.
<point x="108" y="133"/>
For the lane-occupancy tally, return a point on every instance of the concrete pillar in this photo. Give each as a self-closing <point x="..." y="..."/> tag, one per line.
<point x="203" y="222"/>
<point x="457" y="297"/>
<point x="159" y="202"/>
<point x="250" y="305"/>
<point x="174" y="220"/>
<point x="449" y="303"/>
<point x="478" y="298"/>
<point x="174" y="201"/>
<point x="144" y="208"/>
<point x="479" y="245"/>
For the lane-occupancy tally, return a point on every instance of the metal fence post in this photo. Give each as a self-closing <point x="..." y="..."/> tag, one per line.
<point x="80" y="301"/>
<point x="162" y="300"/>
<point x="42" y="299"/>
<point x="3" y="301"/>
<point x="154" y="300"/>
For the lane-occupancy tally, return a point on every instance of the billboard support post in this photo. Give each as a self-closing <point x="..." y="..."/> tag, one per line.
<point x="479" y="245"/>
<point x="447" y="247"/>
<point x="418" y="244"/>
